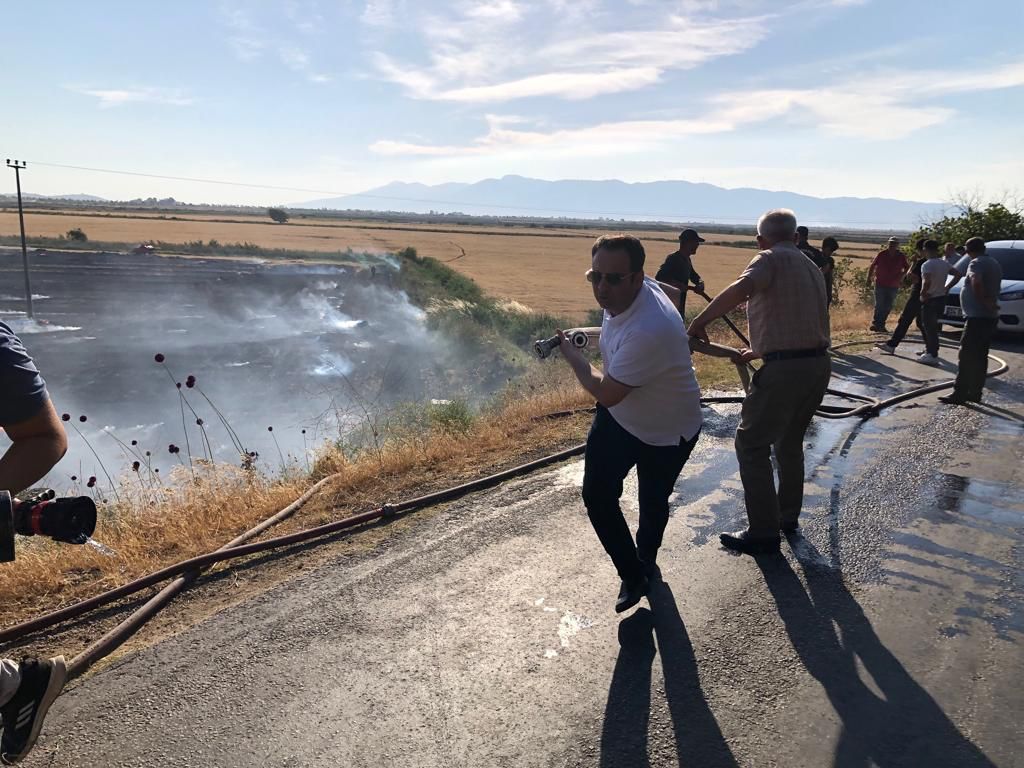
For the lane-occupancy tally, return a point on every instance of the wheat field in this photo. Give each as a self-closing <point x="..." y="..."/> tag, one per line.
<point x="540" y="268"/>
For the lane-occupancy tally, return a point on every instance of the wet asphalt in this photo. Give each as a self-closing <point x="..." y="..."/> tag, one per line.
<point x="889" y="634"/>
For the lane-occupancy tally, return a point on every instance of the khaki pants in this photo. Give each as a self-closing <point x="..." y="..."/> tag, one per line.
<point x="783" y="397"/>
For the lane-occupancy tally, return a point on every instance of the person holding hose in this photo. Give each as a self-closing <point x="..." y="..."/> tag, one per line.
<point x="648" y="408"/>
<point x="678" y="270"/>
<point x="787" y="309"/>
<point x="38" y="441"/>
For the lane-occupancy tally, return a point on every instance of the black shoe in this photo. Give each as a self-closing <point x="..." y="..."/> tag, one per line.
<point x="952" y="400"/>
<point x="41" y="682"/>
<point x="650" y="564"/>
<point x="742" y="541"/>
<point x="790" y="526"/>
<point x="631" y="592"/>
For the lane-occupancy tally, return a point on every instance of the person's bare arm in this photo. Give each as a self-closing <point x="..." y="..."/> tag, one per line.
<point x="723" y="303"/>
<point x="975" y="285"/>
<point x="37" y="444"/>
<point x="606" y="390"/>
<point x="871" y="269"/>
<point x="926" y="284"/>
<point x="711" y="349"/>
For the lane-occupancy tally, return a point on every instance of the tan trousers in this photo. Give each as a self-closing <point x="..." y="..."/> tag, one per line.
<point x="783" y="397"/>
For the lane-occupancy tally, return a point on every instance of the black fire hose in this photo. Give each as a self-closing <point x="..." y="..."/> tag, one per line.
<point x="188" y="570"/>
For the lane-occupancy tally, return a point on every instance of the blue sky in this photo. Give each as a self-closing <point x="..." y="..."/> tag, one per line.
<point x="908" y="99"/>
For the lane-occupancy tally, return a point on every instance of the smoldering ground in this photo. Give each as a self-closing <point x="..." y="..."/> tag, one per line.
<point x="287" y="346"/>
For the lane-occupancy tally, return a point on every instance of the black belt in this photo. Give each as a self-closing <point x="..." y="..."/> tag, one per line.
<point x="794" y="354"/>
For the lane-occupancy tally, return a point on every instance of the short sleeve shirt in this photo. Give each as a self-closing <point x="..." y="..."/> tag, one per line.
<point x="646" y="347"/>
<point x="987" y="271"/>
<point x="889" y="268"/>
<point x="22" y="389"/>
<point x="937" y="271"/>
<point x="788" y="309"/>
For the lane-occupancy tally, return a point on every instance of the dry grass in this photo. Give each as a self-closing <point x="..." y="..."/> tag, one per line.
<point x="149" y="530"/>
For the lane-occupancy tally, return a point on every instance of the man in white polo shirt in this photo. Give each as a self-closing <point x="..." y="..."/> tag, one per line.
<point x="648" y="411"/>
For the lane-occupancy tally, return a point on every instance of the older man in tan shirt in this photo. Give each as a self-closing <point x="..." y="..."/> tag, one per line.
<point x="787" y="309"/>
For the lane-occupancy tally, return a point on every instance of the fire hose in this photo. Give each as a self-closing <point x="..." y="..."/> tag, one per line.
<point x="187" y="571"/>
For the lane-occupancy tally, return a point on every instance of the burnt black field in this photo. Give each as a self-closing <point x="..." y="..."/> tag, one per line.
<point x="284" y="345"/>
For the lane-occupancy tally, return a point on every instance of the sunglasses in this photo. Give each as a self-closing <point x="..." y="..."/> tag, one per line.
<point x="612" y="278"/>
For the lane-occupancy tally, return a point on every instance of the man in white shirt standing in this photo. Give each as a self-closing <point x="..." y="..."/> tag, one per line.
<point x="648" y="409"/>
<point x="934" y="272"/>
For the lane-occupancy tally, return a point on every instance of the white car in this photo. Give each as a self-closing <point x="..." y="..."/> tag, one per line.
<point x="1010" y="255"/>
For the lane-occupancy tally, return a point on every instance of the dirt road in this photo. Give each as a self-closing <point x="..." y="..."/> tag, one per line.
<point x="890" y="635"/>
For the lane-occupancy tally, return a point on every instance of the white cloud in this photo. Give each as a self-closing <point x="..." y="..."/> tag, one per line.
<point x="878" y="108"/>
<point x="569" y="85"/>
<point x="378" y="13"/>
<point x="245" y="39"/>
<point x="116" y="97"/>
<point x="492" y="52"/>
<point x="881" y="107"/>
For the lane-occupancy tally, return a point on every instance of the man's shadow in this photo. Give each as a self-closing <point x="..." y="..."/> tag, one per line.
<point x="699" y="740"/>
<point x="904" y="726"/>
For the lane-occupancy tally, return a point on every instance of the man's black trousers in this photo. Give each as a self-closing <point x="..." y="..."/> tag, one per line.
<point x="974" y="345"/>
<point x="611" y="453"/>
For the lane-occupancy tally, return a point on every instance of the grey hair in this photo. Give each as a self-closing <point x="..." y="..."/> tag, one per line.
<point x="777" y="225"/>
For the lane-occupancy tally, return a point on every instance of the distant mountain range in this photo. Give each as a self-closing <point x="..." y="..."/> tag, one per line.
<point x="78" y="198"/>
<point x="681" y="201"/>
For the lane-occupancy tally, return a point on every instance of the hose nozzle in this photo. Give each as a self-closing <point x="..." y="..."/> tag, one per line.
<point x="71" y="520"/>
<point x="578" y="337"/>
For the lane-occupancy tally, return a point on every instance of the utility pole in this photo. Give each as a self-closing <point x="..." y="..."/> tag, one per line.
<point x="17" y="165"/>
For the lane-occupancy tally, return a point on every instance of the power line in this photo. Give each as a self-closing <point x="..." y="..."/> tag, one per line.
<point x="615" y="214"/>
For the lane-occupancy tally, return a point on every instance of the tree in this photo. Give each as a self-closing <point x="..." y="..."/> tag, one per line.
<point x="278" y="214"/>
<point x="995" y="222"/>
<point x="77" y="234"/>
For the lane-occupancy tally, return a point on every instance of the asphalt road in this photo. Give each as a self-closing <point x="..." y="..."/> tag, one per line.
<point x="890" y="635"/>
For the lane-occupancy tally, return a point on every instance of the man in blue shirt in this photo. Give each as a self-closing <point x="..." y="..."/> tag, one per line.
<point x="979" y="300"/>
<point x="37" y="443"/>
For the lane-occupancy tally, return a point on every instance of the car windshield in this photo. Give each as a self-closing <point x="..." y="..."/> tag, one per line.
<point x="1011" y="260"/>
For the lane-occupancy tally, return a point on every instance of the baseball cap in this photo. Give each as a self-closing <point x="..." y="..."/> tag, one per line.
<point x="894" y="240"/>
<point x="690" y="234"/>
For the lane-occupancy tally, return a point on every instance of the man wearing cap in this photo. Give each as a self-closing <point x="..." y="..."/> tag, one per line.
<point x="678" y="267"/>
<point x="886" y="272"/>
<point x="787" y="310"/>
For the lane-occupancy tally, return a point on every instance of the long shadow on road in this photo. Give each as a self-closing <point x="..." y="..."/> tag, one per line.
<point x="830" y="632"/>
<point x="699" y="740"/>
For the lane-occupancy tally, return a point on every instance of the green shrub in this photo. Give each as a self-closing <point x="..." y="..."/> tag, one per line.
<point x="453" y="417"/>
<point x="77" y="235"/>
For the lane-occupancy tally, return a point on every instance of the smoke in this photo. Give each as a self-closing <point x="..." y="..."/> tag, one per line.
<point x="287" y="346"/>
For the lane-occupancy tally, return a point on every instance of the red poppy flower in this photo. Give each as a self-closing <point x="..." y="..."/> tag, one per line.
<point x="158" y="357"/>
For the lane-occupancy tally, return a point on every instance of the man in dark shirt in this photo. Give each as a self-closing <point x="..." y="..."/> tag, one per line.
<point x="37" y="443"/>
<point x="809" y="250"/>
<point x="678" y="267"/>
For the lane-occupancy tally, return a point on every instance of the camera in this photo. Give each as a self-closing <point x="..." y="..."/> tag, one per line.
<point x="578" y="337"/>
<point x="69" y="519"/>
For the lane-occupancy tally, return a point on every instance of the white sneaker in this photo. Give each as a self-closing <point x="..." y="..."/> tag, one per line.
<point x="885" y="349"/>
<point x="928" y="359"/>
<point x="922" y="353"/>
